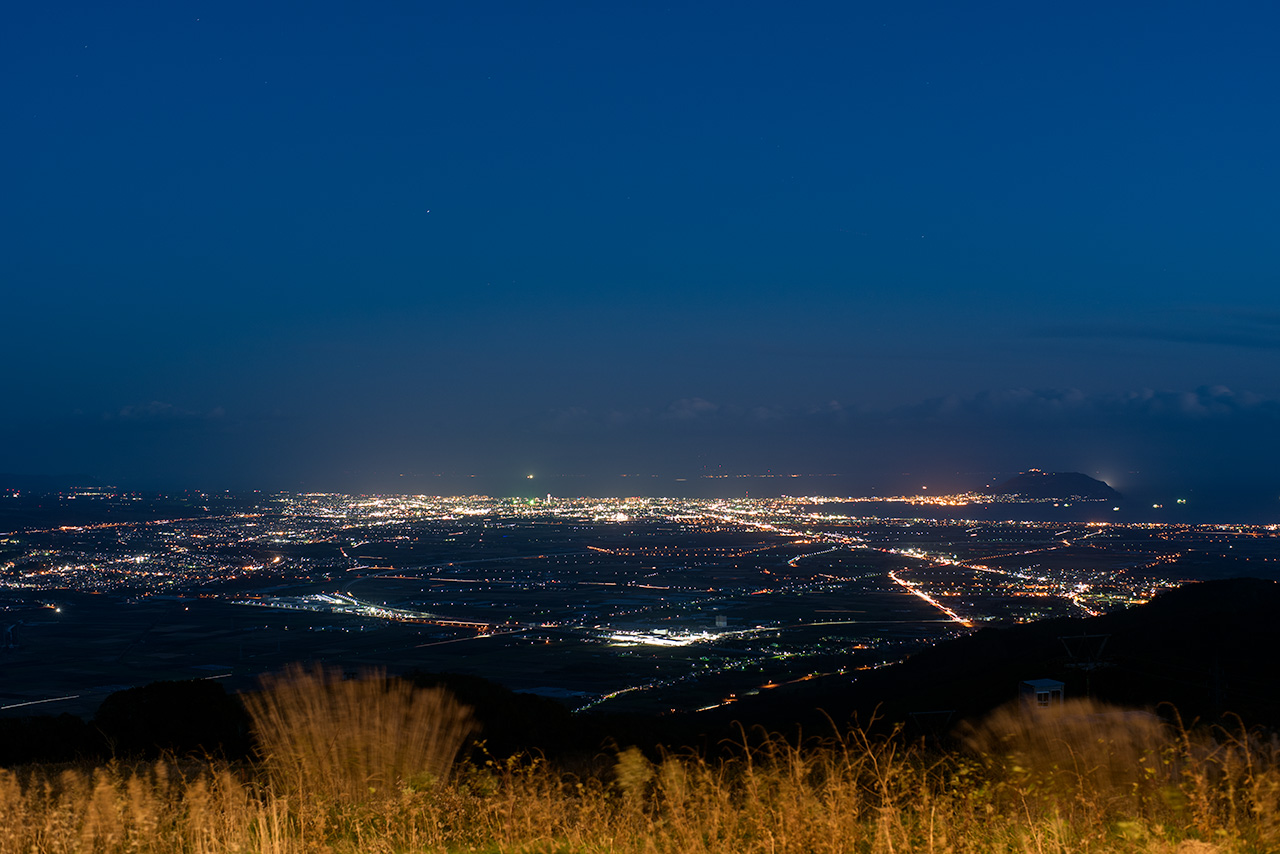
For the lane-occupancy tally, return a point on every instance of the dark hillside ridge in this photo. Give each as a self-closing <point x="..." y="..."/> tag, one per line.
<point x="1055" y="484"/>
<point x="198" y="717"/>
<point x="1206" y="648"/>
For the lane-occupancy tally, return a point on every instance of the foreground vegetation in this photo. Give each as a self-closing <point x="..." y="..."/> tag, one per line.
<point x="368" y="766"/>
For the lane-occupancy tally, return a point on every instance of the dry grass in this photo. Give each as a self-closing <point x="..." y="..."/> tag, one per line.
<point x="1087" y="780"/>
<point x="344" y="739"/>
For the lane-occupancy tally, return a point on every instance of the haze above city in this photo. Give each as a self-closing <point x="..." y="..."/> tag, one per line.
<point x="321" y="247"/>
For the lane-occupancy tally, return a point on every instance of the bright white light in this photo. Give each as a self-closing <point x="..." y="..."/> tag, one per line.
<point x="655" y="639"/>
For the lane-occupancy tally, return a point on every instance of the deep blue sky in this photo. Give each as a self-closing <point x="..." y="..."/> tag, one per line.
<point x="323" y="245"/>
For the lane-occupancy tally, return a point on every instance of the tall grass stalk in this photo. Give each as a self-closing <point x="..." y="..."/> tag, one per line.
<point x="342" y="740"/>
<point x="1090" y="782"/>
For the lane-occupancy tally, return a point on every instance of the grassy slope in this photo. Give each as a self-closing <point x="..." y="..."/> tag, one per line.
<point x="360" y="766"/>
<point x="1086" y="780"/>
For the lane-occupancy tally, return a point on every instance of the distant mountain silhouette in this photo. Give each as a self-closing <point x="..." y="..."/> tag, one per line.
<point x="1055" y="484"/>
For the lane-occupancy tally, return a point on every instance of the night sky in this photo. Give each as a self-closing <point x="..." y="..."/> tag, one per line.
<point x="393" y="245"/>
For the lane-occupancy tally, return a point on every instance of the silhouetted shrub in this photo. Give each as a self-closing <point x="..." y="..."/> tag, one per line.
<point x="195" y="716"/>
<point x="508" y="722"/>
<point x="46" y="738"/>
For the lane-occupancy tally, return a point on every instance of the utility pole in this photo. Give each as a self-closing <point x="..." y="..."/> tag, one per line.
<point x="1086" y="653"/>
